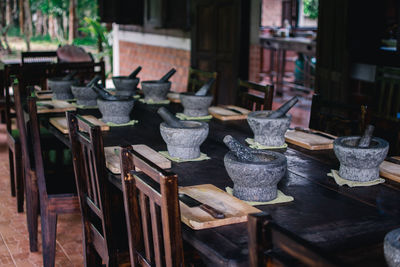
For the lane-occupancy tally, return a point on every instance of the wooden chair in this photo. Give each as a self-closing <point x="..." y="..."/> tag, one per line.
<point x="273" y="245"/>
<point x="152" y="212"/>
<point x="56" y="189"/>
<point x="96" y="203"/>
<point x="255" y="96"/>
<point x="385" y="114"/>
<point x="197" y="78"/>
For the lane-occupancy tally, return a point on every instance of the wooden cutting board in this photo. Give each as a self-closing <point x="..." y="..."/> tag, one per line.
<point x="174" y="97"/>
<point x="61" y="123"/>
<point x="390" y="170"/>
<point x="48" y="94"/>
<point x="113" y="162"/>
<point x="224" y="114"/>
<point x="308" y="141"/>
<point x="59" y="106"/>
<point x="235" y="210"/>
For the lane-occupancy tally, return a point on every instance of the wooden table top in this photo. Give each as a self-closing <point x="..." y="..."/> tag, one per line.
<point x="349" y="223"/>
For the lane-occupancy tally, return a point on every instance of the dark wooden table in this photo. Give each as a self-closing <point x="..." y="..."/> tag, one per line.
<point x="349" y="223"/>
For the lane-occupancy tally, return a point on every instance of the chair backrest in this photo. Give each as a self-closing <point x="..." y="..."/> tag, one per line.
<point x="197" y="78"/>
<point x="388" y="93"/>
<point x="38" y="57"/>
<point x="266" y="238"/>
<point x="152" y="212"/>
<point x="90" y="174"/>
<point x="254" y="96"/>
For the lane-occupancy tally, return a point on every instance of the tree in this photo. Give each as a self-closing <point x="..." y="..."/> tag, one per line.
<point x="73" y="23"/>
<point x="27" y="24"/>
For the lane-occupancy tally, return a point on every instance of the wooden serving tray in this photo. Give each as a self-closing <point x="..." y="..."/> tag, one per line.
<point x="113" y="161"/>
<point x="390" y="170"/>
<point x="59" y="106"/>
<point x="308" y="141"/>
<point x="42" y="95"/>
<point x="61" y="123"/>
<point x="235" y="210"/>
<point x="224" y="114"/>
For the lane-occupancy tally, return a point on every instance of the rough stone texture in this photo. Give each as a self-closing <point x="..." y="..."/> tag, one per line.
<point x="124" y="85"/>
<point x="360" y="164"/>
<point x="184" y="143"/>
<point x="391" y="247"/>
<point x="61" y="89"/>
<point x="84" y="95"/>
<point x="194" y="105"/>
<point x="256" y="181"/>
<point x="116" y="111"/>
<point x="155" y="90"/>
<point x="268" y="132"/>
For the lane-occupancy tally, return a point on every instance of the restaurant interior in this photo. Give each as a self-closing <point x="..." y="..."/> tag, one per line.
<point x="210" y="133"/>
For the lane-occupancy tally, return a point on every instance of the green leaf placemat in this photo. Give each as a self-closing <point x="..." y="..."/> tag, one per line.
<point x="112" y="124"/>
<point x="179" y="160"/>
<point x="256" y="145"/>
<point x="341" y="181"/>
<point x="183" y="117"/>
<point x="152" y="102"/>
<point x="280" y="198"/>
<point x="83" y="107"/>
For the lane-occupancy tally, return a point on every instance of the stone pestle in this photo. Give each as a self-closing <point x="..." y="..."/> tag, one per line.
<point x="365" y="140"/>
<point x="243" y="153"/>
<point x="167" y="76"/>
<point x="170" y="119"/>
<point x="205" y="88"/>
<point x="135" y="72"/>
<point x="94" y="81"/>
<point x="106" y="95"/>
<point x="282" y="110"/>
<point x="70" y="75"/>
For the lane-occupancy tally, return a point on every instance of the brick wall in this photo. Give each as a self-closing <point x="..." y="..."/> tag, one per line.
<point x="155" y="62"/>
<point x="271" y="13"/>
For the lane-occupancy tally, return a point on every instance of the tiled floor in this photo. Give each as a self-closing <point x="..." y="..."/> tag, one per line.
<point x="14" y="242"/>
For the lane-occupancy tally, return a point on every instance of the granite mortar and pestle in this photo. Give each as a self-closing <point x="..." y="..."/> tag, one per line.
<point x="391" y="248"/>
<point x="115" y="109"/>
<point x="360" y="157"/>
<point x="85" y="95"/>
<point x="61" y="86"/>
<point x="269" y="127"/>
<point x="157" y="90"/>
<point x="255" y="173"/>
<point x="126" y="85"/>
<point x="183" y="138"/>
<point x="197" y="104"/>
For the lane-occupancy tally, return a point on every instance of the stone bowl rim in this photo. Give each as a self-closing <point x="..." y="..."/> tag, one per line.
<point x="155" y="82"/>
<point x="59" y="79"/>
<point x="124" y="78"/>
<point x="252" y="115"/>
<point x="192" y="94"/>
<point x="393" y="238"/>
<point x="381" y="143"/>
<point x="201" y="125"/>
<point x="279" y="158"/>
<point x="125" y="99"/>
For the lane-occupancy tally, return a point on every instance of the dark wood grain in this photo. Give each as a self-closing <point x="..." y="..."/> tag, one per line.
<point x="348" y="223"/>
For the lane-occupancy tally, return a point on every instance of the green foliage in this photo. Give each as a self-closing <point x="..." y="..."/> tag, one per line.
<point x="310" y="8"/>
<point x="13" y="31"/>
<point x="43" y="39"/>
<point x="87" y="40"/>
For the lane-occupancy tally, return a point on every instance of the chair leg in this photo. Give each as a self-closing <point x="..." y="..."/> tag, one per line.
<point x="32" y="208"/>
<point x="49" y="230"/>
<point x="19" y="175"/>
<point x="91" y="256"/>
<point x="12" y="174"/>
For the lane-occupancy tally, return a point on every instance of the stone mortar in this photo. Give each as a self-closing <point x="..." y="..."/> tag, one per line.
<point x="268" y="132"/>
<point x="155" y="90"/>
<point x="124" y="85"/>
<point x="195" y="105"/>
<point x="256" y="181"/>
<point x="85" y="96"/>
<point x="360" y="164"/>
<point x="61" y="89"/>
<point x="391" y="247"/>
<point x="116" y="111"/>
<point x="184" y="143"/>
